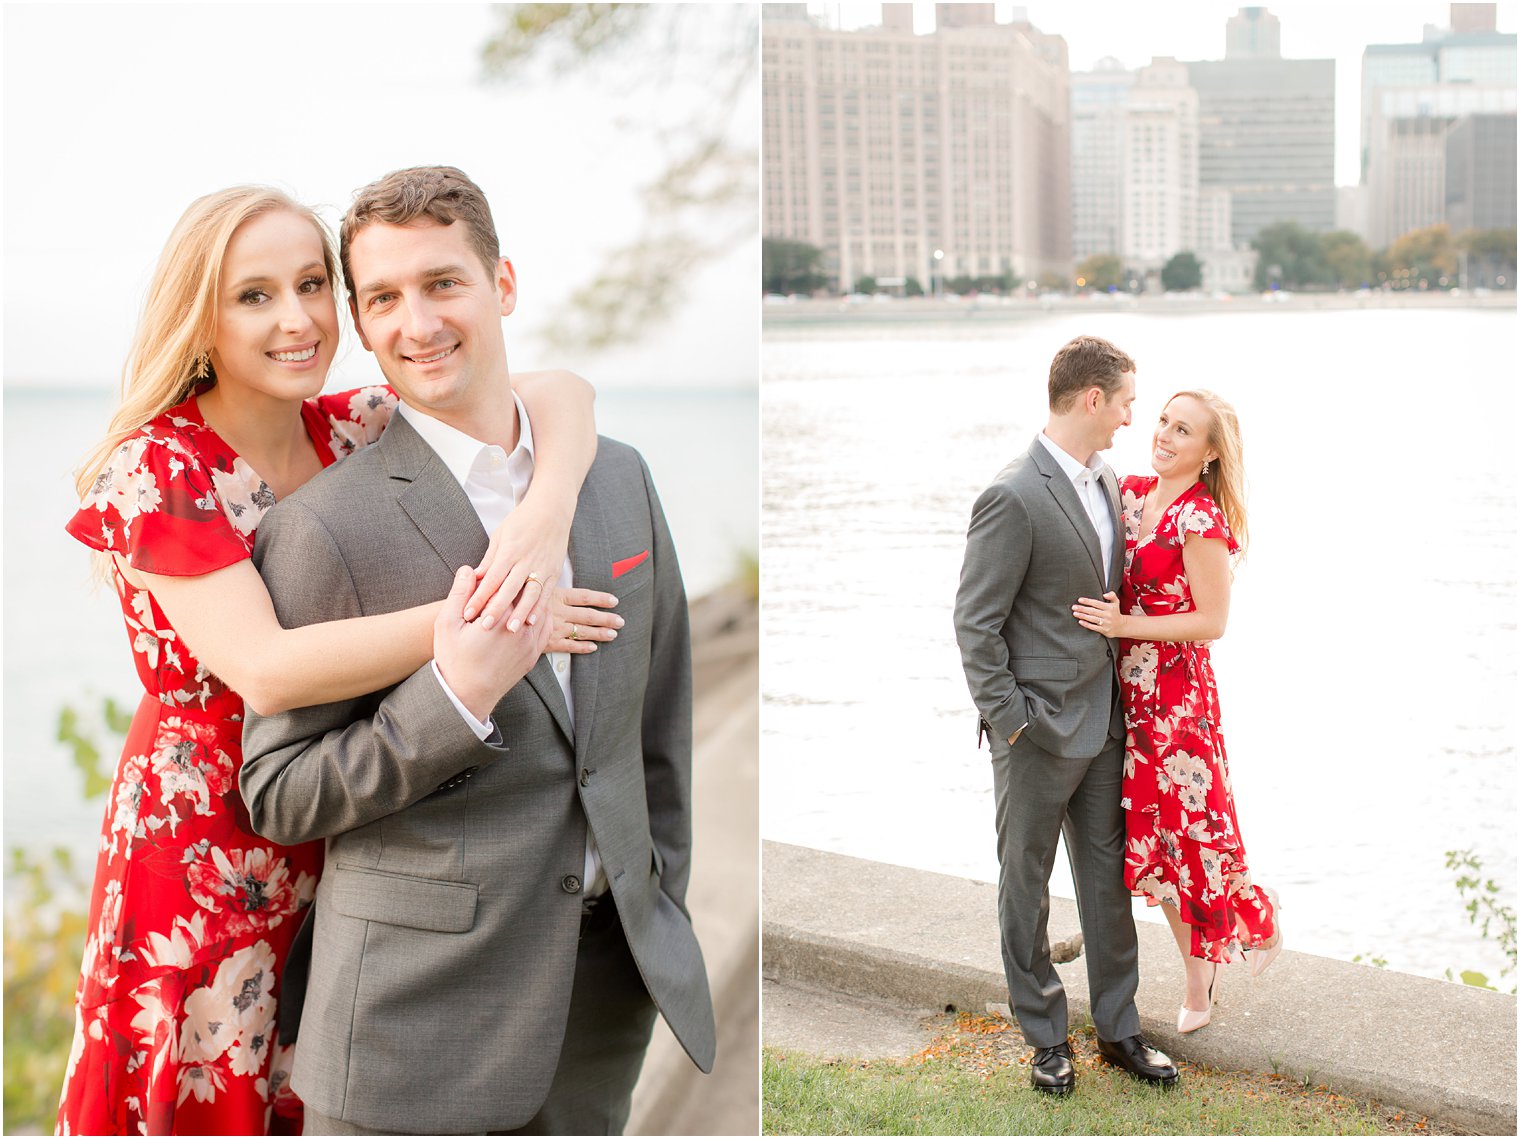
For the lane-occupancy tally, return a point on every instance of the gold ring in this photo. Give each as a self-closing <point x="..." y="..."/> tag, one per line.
<point x="575" y="632"/>
<point x="538" y="581"/>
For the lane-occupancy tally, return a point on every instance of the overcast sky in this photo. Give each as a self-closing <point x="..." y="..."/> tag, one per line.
<point x="1136" y="31"/>
<point x="118" y="115"/>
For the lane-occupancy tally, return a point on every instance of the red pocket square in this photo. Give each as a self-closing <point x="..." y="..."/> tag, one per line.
<point x="622" y="567"/>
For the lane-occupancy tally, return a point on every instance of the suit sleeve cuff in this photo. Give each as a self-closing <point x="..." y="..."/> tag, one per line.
<point x="483" y="731"/>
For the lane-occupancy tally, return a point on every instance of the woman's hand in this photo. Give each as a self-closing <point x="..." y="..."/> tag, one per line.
<point x="516" y="578"/>
<point x="1100" y="616"/>
<point x="578" y="628"/>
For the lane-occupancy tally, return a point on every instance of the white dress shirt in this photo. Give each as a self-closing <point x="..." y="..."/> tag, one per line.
<point x="1086" y="477"/>
<point x="495" y="482"/>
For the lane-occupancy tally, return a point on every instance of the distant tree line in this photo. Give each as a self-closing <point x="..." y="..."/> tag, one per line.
<point x="1288" y="257"/>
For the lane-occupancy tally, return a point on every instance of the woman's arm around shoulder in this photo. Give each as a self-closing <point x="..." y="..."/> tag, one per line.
<point x="535" y="537"/>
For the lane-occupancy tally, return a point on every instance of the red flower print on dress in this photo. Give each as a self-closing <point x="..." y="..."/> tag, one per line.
<point x="250" y="889"/>
<point x="191" y="764"/>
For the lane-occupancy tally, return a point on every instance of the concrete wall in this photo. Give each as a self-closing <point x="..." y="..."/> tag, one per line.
<point x="930" y="941"/>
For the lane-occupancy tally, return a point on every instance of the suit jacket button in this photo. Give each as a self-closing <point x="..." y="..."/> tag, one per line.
<point x="585" y="777"/>
<point x="570" y="884"/>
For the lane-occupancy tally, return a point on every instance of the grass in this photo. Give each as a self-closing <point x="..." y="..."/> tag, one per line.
<point x="973" y="1079"/>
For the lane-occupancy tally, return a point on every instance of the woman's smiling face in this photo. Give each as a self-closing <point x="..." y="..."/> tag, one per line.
<point x="1180" y="442"/>
<point x="276" y="321"/>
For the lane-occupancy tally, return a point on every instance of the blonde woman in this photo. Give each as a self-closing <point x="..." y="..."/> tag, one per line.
<point x="1182" y="526"/>
<point x="192" y="915"/>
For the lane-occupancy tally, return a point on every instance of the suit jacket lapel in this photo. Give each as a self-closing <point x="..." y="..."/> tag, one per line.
<point x="1111" y="490"/>
<point x="1066" y="497"/>
<point x="591" y="567"/>
<point x="431" y="497"/>
<point x="441" y="511"/>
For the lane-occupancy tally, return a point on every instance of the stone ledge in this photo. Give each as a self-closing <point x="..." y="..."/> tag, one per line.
<point x="926" y="940"/>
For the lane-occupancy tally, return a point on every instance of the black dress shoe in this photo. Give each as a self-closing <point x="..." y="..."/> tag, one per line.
<point x="1139" y="1059"/>
<point x="1051" y="1071"/>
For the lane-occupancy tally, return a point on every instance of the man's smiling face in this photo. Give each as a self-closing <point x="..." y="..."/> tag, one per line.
<point x="430" y="310"/>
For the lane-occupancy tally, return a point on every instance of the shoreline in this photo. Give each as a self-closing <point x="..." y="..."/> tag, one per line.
<point x="805" y="312"/>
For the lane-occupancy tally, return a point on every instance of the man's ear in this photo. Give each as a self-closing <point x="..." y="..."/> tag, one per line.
<point x="353" y="311"/>
<point x="1093" y="399"/>
<point x="506" y="286"/>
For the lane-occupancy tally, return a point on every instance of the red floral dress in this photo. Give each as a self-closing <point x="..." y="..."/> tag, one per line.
<point x="192" y="914"/>
<point x="1184" y="844"/>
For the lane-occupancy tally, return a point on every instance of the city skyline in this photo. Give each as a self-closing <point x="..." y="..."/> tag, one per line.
<point x="1195" y="30"/>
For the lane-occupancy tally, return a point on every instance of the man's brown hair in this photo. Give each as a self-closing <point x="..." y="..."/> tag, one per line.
<point x="444" y="194"/>
<point x="1083" y="362"/>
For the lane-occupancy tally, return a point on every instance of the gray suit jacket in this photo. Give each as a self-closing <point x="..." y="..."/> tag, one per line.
<point x="1030" y="553"/>
<point x="448" y="913"/>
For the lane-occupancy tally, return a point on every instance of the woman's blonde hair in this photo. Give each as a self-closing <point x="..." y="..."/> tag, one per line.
<point x="1226" y="477"/>
<point x="170" y="352"/>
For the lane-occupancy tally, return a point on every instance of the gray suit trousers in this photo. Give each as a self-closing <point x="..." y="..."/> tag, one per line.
<point x="1040" y="796"/>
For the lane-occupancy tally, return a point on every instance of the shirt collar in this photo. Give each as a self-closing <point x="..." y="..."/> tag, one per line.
<point x="460" y="452"/>
<point x="1077" y="472"/>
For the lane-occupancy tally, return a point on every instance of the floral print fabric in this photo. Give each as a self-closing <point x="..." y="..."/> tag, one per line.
<point x="192" y="915"/>
<point x="1183" y="841"/>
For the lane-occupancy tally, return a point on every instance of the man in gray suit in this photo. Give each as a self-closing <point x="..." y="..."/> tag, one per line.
<point x="1046" y="532"/>
<point x="508" y="837"/>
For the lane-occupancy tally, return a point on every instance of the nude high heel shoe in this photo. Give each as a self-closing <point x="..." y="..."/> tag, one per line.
<point x="1191" y="1020"/>
<point x="1261" y="958"/>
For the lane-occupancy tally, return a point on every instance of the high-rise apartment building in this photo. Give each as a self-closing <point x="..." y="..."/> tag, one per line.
<point x="1160" y="185"/>
<point x="882" y="147"/>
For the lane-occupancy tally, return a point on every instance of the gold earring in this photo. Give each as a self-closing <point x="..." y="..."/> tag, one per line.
<point x="1205" y="466"/>
<point x="202" y="365"/>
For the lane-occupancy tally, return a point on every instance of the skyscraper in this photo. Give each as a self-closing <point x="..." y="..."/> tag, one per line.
<point x="1267" y="130"/>
<point x="1253" y="33"/>
<point x="1099" y="103"/>
<point x="1409" y="149"/>
<point x="1438" y="119"/>
<point x="1160" y="194"/>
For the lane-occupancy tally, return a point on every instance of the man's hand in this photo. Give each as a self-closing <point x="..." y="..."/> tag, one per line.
<point x="578" y="626"/>
<point x="482" y="664"/>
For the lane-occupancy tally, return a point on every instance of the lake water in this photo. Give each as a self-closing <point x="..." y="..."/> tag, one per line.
<point x="1368" y="677"/>
<point x="64" y="638"/>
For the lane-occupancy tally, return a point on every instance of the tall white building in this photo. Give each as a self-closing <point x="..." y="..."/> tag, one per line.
<point x="1160" y="183"/>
